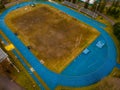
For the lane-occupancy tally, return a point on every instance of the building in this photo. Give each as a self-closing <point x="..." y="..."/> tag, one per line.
<point x="3" y="55"/>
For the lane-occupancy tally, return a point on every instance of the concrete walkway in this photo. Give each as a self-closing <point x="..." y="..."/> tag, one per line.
<point x="105" y="17"/>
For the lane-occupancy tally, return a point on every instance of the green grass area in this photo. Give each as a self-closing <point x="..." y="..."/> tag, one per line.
<point x="55" y="37"/>
<point x="42" y="82"/>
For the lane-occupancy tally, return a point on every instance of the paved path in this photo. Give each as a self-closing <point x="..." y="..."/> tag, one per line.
<point x="52" y="79"/>
<point x="13" y="3"/>
<point x="108" y="19"/>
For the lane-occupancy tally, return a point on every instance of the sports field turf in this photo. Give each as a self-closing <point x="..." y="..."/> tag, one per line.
<point x="55" y="37"/>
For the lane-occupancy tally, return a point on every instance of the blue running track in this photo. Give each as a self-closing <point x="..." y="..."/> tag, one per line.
<point x="85" y="69"/>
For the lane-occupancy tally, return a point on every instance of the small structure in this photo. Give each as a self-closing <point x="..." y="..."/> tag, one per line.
<point x="86" y="51"/>
<point x="32" y="4"/>
<point x="29" y="47"/>
<point x="32" y="69"/>
<point x="41" y="61"/>
<point x="100" y="44"/>
<point x="9" y="47"/>
<point x="3" y="55"/>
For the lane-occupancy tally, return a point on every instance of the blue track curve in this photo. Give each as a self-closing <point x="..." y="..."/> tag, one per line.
<point x="52" y="79"/>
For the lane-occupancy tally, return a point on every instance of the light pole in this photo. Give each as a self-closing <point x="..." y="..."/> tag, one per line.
<point x="95" y="11"/>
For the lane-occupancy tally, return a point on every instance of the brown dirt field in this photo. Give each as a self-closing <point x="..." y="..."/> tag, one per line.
<point x="55" y="37"/>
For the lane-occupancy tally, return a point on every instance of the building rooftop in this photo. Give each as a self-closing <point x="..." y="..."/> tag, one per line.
<point x="3" y="55"/>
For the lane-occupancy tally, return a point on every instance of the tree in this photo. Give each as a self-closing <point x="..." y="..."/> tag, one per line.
<point x="86" y="4"/>
<point x="117" y="3"/>
<point x="113" y="4"/>
<point x="108" y="11"/>
<point x="94" y="6"/>
<point x="99" y="4"/>
<point x="1" y="5"/>
<point x="116" y="30"/>
<point x="74" y="1"/>
<point x="114" y="11"/>
<point x="117" y="13"/>
<point x="102" y="6"/>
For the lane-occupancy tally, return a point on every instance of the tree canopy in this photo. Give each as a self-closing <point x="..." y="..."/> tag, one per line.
<point x="116" y="30"/>
<point x="1" y="5"/>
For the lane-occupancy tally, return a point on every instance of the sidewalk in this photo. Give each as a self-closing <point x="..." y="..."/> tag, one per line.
<point x="108" y="19"/>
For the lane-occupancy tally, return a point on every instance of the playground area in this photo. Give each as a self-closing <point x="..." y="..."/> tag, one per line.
<point x="95" y="60"/>
<point x="55" y="38"/>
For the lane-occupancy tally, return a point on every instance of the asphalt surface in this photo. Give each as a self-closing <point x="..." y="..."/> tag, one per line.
<point x="7" y="84"/>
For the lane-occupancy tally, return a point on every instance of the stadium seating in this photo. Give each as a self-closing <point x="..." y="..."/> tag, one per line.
<point x="88" y="12"/>
<point x="70" y="4"/>
<point x="75" y="6"/>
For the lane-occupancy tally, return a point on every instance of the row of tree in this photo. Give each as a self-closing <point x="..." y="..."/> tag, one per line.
<point x="112" y="10"/>
<point x="1" y="4"/>
<point x="98" y="5"/>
